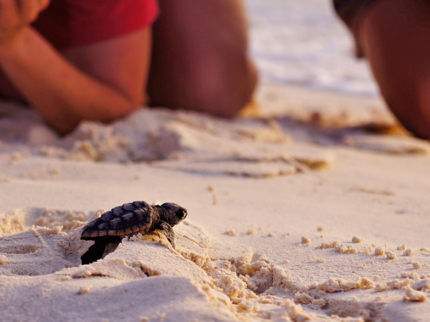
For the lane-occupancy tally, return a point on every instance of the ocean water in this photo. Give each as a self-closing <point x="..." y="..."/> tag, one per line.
<point x="302" y="42"/>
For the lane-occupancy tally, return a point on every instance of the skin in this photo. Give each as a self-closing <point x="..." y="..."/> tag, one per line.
<point x="80" y="84"/>
<point x="395" y="36"/>
<point x="74" y="85"/>
<point x="200" y="60"/>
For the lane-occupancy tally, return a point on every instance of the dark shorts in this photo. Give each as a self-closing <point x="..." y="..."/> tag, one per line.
<point x="352" y="13"/>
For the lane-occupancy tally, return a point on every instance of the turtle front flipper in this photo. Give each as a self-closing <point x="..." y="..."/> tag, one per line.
<point x="168" y="230"/>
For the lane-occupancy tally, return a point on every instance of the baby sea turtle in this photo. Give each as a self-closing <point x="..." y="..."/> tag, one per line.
<point x="128" y="220"/>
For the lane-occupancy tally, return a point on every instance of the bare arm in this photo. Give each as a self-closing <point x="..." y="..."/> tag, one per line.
<point x="102" y="81"/>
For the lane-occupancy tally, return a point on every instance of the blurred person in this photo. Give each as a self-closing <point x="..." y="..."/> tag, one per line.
<point x="75" y="60"/>
<point x="394" y="36"/>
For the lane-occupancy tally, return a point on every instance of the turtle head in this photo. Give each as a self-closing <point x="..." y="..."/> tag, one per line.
<point x="173" y="213"/>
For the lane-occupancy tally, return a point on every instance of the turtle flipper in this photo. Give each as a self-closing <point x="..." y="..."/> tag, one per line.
<point x="168" y="230"/>
<point x="94" y="253"/>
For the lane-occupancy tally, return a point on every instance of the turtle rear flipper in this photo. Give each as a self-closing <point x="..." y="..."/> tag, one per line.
<point x="101" y="245"/>
<point x="94" y="253"/>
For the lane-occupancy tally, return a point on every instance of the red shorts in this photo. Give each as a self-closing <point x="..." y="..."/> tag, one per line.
<point x="68" y="23"/>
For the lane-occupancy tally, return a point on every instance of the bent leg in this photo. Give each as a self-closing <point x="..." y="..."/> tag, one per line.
<point x="200" y="59"/>
<point x="395" y="36"/>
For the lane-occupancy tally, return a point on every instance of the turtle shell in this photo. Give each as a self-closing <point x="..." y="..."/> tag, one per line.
<point x="126" y="220"/>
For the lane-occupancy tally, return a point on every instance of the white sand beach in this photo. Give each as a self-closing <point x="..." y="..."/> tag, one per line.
<point x="317" y="209"/>
<point x="311" y="206"/>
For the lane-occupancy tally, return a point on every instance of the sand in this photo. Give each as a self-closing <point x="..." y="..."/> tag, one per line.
<point x="304" y="212"/>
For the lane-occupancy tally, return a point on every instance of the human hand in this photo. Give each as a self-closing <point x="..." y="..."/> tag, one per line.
<point x="16" y="15"/>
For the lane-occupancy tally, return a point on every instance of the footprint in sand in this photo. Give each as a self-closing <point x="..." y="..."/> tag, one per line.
<point x="42" y="249"/>
<point x="32" y="252"/>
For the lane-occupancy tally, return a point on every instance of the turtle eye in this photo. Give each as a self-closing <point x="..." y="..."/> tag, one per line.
<point x="182" y="214"/>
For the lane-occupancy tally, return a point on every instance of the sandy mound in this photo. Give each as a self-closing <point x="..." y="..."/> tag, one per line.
<point x="173" y="284"/>
<point x="213" y="145"/>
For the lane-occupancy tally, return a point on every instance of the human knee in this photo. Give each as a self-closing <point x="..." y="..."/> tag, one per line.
<point x="223" y="88"/>
<point x="420" y="116"/>
<point x="412" y="109"/>
<point x="418" y="126"/>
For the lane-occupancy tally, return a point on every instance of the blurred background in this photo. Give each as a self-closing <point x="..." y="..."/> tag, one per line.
<point x="302" y="42"/>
